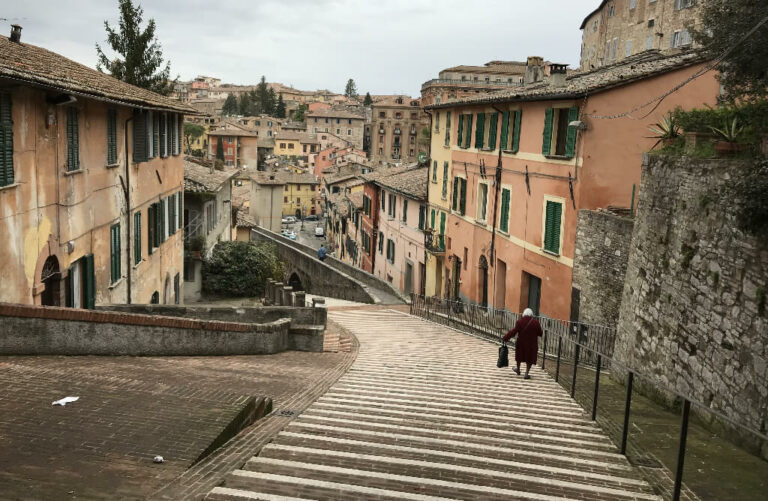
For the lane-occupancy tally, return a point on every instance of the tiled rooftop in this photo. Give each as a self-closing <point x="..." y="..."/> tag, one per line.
<point x="201" y="179"/>
<point x="411" y="183"/>
<point x="37" y="66"/>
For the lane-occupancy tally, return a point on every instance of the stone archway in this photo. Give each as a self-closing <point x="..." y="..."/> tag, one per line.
<point x="50" y="277"/>
<point x="295" y="282"/>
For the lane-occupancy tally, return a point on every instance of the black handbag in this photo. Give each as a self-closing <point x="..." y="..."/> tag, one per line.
<point x="503" y="360"/>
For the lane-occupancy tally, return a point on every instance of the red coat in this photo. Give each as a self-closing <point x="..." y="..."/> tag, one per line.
<point x="527" y="347"/>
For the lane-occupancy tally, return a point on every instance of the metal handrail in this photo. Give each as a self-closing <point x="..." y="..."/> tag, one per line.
<point x="457" y="313"/>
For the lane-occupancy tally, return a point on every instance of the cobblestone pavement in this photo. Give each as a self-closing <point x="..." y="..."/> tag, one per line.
<point x="130" y="409"/>
<point x="423" y="414"/>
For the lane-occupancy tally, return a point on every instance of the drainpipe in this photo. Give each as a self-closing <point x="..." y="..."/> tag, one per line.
<point x="128" y="209"/>
<point x="426" y="217"/>
<point x="497" y="177"/>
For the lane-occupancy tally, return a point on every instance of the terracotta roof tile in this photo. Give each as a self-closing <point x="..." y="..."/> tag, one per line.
<point x="411" y="183"/>
<point x="200" y="179"/>
<point x="37" y="66"/>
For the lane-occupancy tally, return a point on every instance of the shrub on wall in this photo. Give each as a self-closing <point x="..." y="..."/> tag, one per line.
<point x="750" y="193"/>
<point x="752" y="116"/>
<point x="240" y="269"/>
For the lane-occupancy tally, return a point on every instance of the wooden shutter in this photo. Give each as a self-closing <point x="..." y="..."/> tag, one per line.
<point x="442" y="230"/>
<point x="455" y="205"/>
<point x="504" y="130"/>
<point x="504" y="217"/>
<point x="492" y="131"/>
<point x="115" y="252"/>
<point x="479" y="130"/>
<point x="6" y="140"/>
<point x="461" y="130"/>
<point x="547" y="139"/>
<point x="445" y="180"/>
<point x="158" y="214"/>
<point x="89" y="283"/>
<point x="155" y="134"/>
<point x="139" y="137"/>
<point x="422" y="215"/>
<point x="163" y="136"/>
<point x="69" y="300"/>
<point x="180" y="211"/>
<point x="174" y="130"/>
<point x="570" y="140"/>
<point x="432" y="224"/>
<point x="448" y="128"/>
<point x="111" y="137"/>
<point x="180" y="132"/>
<point x="150" y="229"/>
<point x="137" y="238"/>
<point x="468" y="139"/>
<point x="73" y="140"/>
<point x="463" y="196"/>
<point x="552" y="227"/>
<point x="516" y="132"/>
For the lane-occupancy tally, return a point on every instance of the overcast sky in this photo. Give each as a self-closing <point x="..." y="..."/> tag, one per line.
<point x="387" y="46"/>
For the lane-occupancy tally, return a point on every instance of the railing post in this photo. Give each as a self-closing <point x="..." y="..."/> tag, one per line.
<point x="627" y="406"/>
<point x="597" y="386"/>
<point x="411" y="307"/>
<point x="557" y="366"/>
<point x="575" y="366"/>
<point x="544" y="351"/>
<point x="681" y="450"/>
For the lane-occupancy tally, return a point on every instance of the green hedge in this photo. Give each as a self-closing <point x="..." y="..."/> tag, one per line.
<point x="753" y="116"/>
<point x="241" y="269"/>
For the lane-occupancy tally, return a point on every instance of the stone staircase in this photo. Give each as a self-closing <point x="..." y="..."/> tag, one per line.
<point x="424" y="414"/>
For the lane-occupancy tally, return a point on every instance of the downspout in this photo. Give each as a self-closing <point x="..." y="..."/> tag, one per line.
<point x="128" y="209"/>
<point x="426" y="212"/>
<point x="497" y="177"/>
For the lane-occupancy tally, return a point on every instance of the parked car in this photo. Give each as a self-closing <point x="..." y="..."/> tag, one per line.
<point x="289" y="234"/>
<point x="289" y="220"/>
<point x="319" y="230"/>
<point x="311" y="217"/>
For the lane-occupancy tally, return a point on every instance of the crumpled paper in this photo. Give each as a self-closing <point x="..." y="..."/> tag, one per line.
<point x="64" y="401"/>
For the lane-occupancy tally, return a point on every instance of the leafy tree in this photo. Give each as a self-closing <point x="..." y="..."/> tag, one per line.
<point x="298" y="115"/>
<point x="230" y="106"/>
<point x="351" y="89"/>
<point x="271" y="105"/>
<point x="368" y="100"/>
<point x="142" y="62"/>
<point x="241" y="269"/>
<point x="744" y="74"/>
<point x="220" y="149"/>
<point x="280" y="107"/>
<point x="244" y="104"/>
<point x="191" y="133"/>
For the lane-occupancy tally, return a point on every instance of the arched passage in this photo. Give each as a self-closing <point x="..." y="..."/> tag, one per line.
<point x="295" y="282"/>
<point x="51" y="278"/>
<point x="483" y="280"/>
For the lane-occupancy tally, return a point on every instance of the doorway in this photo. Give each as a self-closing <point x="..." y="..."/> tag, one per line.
<point x="408" y="277"/>
<point x="483" y="281"/>
<point x="500" y="300"/>
<point x="534" y="293"/>
<point x="51" y="278"/>
<point x="456" y="277"/>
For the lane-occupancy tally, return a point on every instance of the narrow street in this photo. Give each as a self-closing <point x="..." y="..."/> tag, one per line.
<point x="424" y="414"/>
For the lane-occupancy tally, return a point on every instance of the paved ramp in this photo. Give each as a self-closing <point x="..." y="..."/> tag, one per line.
<point x="424" y="414"/>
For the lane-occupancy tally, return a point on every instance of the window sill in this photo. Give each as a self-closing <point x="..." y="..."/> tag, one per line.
<point x="484" y="224"/>
<point x="434" y="181"/>
<point x="73" y="172"/>
<point x="116" y="284"/>
<point x="555" y="254"/>
<point x="502" y="232"/>
<point x="112" y="166"/>
<point x="509" y="152"/>
<point x="558" y="157"/>
<point x="9" y="186"/>
<point x="136" y="265"/>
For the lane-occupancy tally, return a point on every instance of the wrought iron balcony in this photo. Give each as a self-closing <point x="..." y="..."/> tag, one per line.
<point x="434" y="242"/>
<point x="397" y="130"/>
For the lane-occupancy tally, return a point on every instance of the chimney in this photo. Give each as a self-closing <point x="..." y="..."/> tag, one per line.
<point x="534" y="70"/>
<point x="15" y="33"/>
<point x="557" y="74"/>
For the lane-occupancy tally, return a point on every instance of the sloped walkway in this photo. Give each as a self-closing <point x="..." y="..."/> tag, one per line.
<point x="424" y="414"/>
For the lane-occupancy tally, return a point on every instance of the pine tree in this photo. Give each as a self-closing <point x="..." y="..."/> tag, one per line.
<point x="368" y="100"/>
<point x="142" y="62"/>
<point x="244" y="104"/>
<point x="262" y="97"/>
<point x="298" y="115"/>
<point x="230" y="106"/>
<point x="351" y="89"/>
<point x="280" y="107"/>
<point x="271" y="104"/>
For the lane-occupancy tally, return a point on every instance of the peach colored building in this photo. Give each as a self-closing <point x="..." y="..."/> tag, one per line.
<point x="91" y="184"/>
<point x="523" y="163"/>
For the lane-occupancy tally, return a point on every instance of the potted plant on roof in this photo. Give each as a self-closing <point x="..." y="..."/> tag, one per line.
<point x="666" y="131"/>
<point x="728" y="135"/>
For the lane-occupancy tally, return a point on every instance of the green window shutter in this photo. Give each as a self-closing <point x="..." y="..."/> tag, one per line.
<point x="156" y="222"/>
<point x="405" y="210"/>
<point x="421" y="218"/>
<point x="504" y="130"/>
<point x="570" y="139"/>
<point x="180" y="131"/>
<point x="479" y="130"/>
<point x="139" y="137"/>
<point x="163" y="136"/>
<point x="492" y="131"/>
<point x="434" y="171"/>
<point x="516" y="132"/>
<point x="172" y="215"/>
<point x="137" y="238"/>
<point x="552" y="227"/>
<point x="150" y="228"/>
<point x="442" y="230"/>
<point x="445" y="179"/>
<point x="556" y="228"/>
<point x="155" y="134"/>
<point x="461" y="131"/>
<point x="432" y="224"/>
<point x="463" y="196"/>
<point x="448" y="128"/>
<point x="6" y="140"/>
<point x="163" y="217"/>
<point x="73" y="140"/>
<point x="180" y="208"/>
<point x="111" y="137"/>
<point x="115" y="252"/>
<point x="70" y="293"/>
<point x="455" y="205"/>
<point x="504" y="218"/>
<point x="547" y="139"/>
<point x="468" y="139"/>
<point x="90" y="283"/>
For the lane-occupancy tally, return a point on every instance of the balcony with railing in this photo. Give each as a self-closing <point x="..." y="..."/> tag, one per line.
<point x="434" y="242"/>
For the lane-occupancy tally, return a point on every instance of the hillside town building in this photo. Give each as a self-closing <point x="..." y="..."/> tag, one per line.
<point x="344" y="124"/>
<point x="396" y="125"/>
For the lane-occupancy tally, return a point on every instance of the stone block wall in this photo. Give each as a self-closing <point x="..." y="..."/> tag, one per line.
<point x="602" y="249"/>
<point x="691" y="314"/>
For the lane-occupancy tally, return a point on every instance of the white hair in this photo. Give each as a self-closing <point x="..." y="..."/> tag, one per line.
<point x="528" y="312"/>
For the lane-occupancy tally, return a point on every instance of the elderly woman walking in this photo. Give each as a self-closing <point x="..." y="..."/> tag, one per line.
<point x="528" y="331"/>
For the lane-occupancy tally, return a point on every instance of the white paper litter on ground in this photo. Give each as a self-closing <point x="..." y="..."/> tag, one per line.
<point x="159" y="459"/>
<point x="64" y="401"/>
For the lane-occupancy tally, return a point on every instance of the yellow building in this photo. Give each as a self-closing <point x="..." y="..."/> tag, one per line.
<point x="438" y="195"/>
<point x="299" y="194"/>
